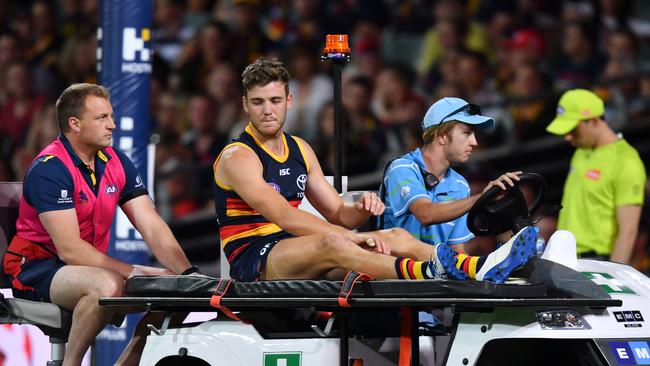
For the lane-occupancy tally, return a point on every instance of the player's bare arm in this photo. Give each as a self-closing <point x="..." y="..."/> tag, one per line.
<point x="63" y="227"/>
<point x="328" y="202"/>
<point x="628" y="217"/>
<point x="429" y="212"/>
<point x="240" y="169"/>
<point x="156" y="233"/>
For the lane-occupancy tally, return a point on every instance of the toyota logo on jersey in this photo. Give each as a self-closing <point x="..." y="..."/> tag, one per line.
<point x="301" y="181"/>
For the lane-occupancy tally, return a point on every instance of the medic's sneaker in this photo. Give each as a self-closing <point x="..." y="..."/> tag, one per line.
<point x="510" y="256"/>
<point x="444" y="265"/>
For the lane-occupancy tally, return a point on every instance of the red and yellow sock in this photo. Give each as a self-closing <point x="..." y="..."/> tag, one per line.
<point x="409" y="269"/>
<point x="469" y="264"/>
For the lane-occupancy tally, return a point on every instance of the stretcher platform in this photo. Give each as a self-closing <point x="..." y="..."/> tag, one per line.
<point x="540" y="283"/>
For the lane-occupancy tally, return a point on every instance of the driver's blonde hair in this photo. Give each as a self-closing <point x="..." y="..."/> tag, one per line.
<point x="442" y="129"/>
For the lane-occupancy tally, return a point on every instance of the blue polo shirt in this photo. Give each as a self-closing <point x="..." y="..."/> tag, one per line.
<point x="47" y="177"/>
<point x="404" y="184"/>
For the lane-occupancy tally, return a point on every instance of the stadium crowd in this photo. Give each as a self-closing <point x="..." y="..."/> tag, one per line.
<point x="512" y="57"/>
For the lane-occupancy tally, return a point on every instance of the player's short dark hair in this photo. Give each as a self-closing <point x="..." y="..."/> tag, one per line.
<point x="264" y="71"/>
<point x="72" y="102"/>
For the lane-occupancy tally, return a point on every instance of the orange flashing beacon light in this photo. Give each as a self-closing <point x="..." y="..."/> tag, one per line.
<point x="336" y="47"/>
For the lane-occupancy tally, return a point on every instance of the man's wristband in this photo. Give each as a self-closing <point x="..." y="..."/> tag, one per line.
<point x="193" y="269"/>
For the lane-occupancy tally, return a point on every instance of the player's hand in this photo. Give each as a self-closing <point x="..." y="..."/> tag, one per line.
<point x="369" y="202"/>
<point x="504" y="180"/>
<point x="139" y="270"/>
<point x="371" y="241"/>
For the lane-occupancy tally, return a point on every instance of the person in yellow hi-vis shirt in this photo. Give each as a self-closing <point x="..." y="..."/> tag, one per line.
<point x="603" y="193"/>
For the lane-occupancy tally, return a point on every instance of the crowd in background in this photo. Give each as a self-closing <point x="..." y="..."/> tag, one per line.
<point x="511" y="57"/>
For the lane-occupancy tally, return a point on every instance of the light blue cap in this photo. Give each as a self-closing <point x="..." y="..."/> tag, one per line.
<point x="455" y="109"/>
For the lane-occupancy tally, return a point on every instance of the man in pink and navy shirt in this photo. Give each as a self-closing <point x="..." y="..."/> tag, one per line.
<point x="70" y="194"/>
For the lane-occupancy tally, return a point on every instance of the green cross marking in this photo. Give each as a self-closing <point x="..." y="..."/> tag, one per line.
<point x="282" y="359"/>
<point x="608" y="283"/>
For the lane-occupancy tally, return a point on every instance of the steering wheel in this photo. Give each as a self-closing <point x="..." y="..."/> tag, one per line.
<point x="497" y="210"/>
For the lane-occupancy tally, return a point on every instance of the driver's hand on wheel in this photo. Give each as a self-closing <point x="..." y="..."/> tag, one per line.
<point x="504" y="180"/>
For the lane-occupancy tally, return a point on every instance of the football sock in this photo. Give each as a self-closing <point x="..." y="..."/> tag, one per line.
<point x="470" y="264"/>
<point x="409" y="269"/>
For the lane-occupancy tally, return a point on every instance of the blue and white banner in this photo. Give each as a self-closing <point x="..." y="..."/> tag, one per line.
<point x="124" y="60"/>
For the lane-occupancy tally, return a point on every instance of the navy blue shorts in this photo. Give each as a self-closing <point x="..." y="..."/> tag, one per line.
<point x="250" y="263"/>
<point x="38" y="274"/>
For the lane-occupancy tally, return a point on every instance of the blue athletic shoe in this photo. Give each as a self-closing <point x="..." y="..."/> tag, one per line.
<point x="510" y="256"/>
<point x="444" y="265"/>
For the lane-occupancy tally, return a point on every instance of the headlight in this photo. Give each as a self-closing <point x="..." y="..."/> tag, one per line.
<point x="561" y="319"/>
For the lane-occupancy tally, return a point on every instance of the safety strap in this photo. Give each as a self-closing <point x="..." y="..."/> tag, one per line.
<point x="405" y="340"/>
<point x="348" y="284"/>
<point x="215" y="301"/>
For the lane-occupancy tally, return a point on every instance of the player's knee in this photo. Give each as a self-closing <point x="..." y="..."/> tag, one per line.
<point x="335" y="243"/>
<point x="109" y="284"/>
<point x="397" y="234"/>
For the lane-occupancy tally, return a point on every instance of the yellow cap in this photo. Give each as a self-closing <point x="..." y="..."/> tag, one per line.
<point x="574" y="106"/>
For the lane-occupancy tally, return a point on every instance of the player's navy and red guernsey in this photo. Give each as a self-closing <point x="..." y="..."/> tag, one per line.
<point x="239" y="224"/>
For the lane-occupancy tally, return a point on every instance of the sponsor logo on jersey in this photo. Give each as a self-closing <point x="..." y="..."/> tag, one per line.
<point x="64" y="197"/>
<point x="275" y="186"/>
<point x="83" y="199"/>
<point x="593" y="174"/>
<point x="138" y="182"/>
<point x="405" y="191"/>
<point x="111" y="189"/>
<point x="301" y="181"/>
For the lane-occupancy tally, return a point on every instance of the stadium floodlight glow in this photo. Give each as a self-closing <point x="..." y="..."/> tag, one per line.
<point x="561" y="319"/>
